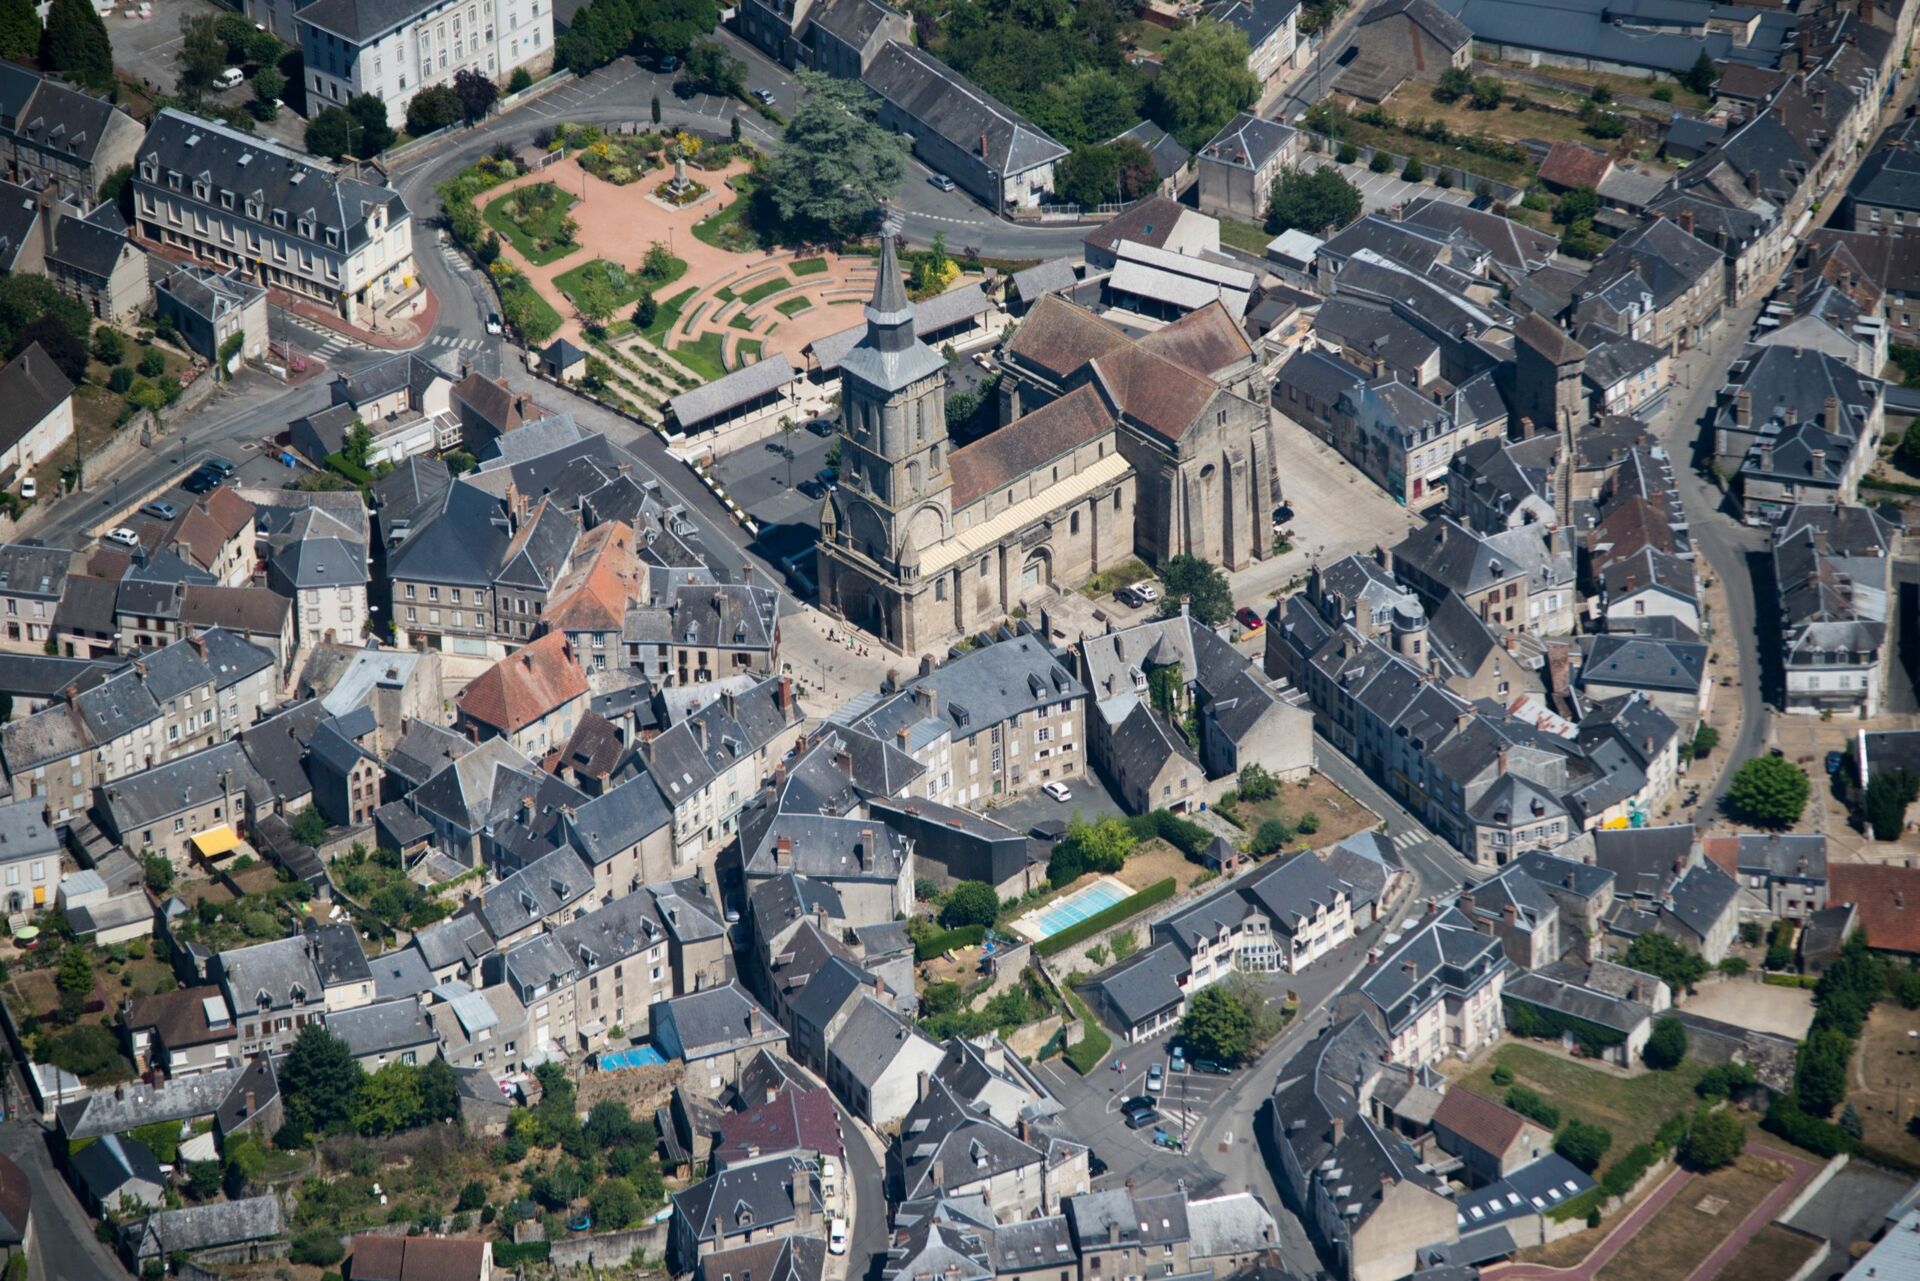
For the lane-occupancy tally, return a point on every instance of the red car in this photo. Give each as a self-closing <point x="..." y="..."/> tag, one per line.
<point x="1248" y="619"/>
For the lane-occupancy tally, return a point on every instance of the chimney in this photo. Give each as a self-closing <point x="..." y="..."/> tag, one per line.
<point x="1766" y="456"/>
<point x="1830" y="414"/>
<point x="782" y="851"/>
<point x="1339" y="1130"/>
<point x="1466" y="901"/>
<point x="1509" y="914"/>
<point x="1753" y="182"/>
<point x="783" y="695"/>
<point x="1743" y="407"/>
<point x="1503" y="760"/>
<point x="802" y="1200"/>
<point x="700" y="732"/>
<point x="250" y="1106"/>
<point x="1817" y="462"/>
<point x="900" y="737"/>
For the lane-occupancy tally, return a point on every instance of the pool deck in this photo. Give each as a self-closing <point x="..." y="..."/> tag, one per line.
<point x="1029" y="927"/>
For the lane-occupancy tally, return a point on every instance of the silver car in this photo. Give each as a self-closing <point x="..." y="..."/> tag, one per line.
<point x="940" y="181"/>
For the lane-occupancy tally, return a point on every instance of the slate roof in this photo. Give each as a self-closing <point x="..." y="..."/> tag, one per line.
<point x="273" y="177"/>
<point x="1169" y="157"/>
<point x="1430" y="17"/>
<point x="181" y="1099"/>
<point x="1644" y="662"/>
<point x="202" y="1227"/>
<point x="1578" y="1001"/>
<point x="383" y="1028"/>
<point x="871" y="1039"/>
<point x="110" y="1163"/>
<point x="31" y="387"/>
<point x="798" y="1119"/>
<point x="1444" y="954"/>
<point x="1247" y="141"/>
<point x="944" y="101"/>
<point x="139" y="800"/>
<point x="741" y="387"/>
<point x="276" y="975"/>
<point x="339" y="957"/>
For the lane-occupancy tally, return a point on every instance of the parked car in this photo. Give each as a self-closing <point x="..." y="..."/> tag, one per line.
<point x="218" y="466"/>
<point x="1048" y="830"/>
<point x="812" y="489"/>
<point x="1128" y="596"/>
<point x="1095" y="1166"/>
<point x="124" y="536"/>
<point x="1156" y="1079"/>
<point x="493" y="322"/>
<point x="822" y="426"/>
<point x="1057" y="790"/>
<point x="1249" y="619"/>
<point x="1208" y="1065"/>
<point x="1176" y="1059"/>
<point x="1146" y="591"/>
<point x="228" y="79"/>
<point x="160" y="509"/>
<point x="837" y="1237"/>
<point x="1140" y="1118"/>
<point x="1836" y="761"/>
<point x="201" y="482"/>
<point x="940" y="182"/>
<point x="669" y="63"/>
<point x="828" y="476"/>
<point x="765" y="96"/>
<point x="29" y="488"/>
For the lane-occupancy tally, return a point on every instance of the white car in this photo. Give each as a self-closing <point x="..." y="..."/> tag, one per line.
<point x="837" y="1237"/>
<point x="228" y="79"/>
<point x="124" y="536"/>
<point x="1058" y="791"/>
<point x="1146" y="591"/>
<point x="29" y="488"/>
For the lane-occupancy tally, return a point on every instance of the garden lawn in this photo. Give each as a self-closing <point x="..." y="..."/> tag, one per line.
<point x="1633" y="1108"/>
<point x="1771" y="1254"/>
<point x="1245" y="235"/>
<point x="540" y="321"/>
<point x="624" y="295"/>
<point x="667" y="317"/>
<point x="793" y="306"/>
<point x="1885" y="1054"/>
<point x="746" y="351"/>
<point x="1680" y="1237"/>
<point x="743" y="320"/>
<point x="541" y="224"/>
<point x="703" y="356"/>
<point x="729" y="229"/>
<point x="807" y="266"/>
<point x="765" y="289"/>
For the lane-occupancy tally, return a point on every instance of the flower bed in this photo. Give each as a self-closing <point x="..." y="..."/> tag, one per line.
<point x="534" y="219"/>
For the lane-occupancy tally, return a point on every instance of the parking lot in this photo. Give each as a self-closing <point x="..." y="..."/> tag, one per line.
<point x="1091" y="799"/>
<point x="1385" y="190"/>
<point x="255" y="465"/>
<point x="150" y="47"/>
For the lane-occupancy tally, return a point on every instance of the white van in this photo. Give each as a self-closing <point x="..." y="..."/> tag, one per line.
<point x="228" y="79"/>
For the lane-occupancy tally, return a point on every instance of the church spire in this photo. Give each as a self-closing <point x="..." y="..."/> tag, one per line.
<point x="889" y="314"/>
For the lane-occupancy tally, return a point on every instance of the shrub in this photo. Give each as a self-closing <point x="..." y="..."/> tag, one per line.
<point x="1530" y="1104"/>
<point x="152" y="363"/>
<point x="1583" y="1144"/>
<point x="970" y="903"/>
<point x="1381" y="162"/>
<point x="1271" y="835"/>
<point x="947" y="940"/>
<point x="1667" y="1046"/>
<point x="1502" y="1074"/>
<point x="1159" y="892"/>
<point x="1823" y="1138"/>
<point x="1348" y="153"/>
<point x="520" y="79"/>
<point x="1715" y="1139"/>
<point x="318" y="1248"/>
<point x="1722" y="1079"/>
<point x="120" y="380"/>
<point x="1625" y="1172"/>
<point x="1084" y="1056"/>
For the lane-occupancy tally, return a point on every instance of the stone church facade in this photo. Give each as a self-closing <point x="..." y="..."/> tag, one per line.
<point x="1109" y="447"/>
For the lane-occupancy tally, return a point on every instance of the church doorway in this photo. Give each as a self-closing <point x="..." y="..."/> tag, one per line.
<point x="1037" y="572"/>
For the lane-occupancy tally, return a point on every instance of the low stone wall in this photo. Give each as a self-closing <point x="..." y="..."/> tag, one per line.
<point x="1007" y="966"/>
<point x="608" y="1249"/>
<point x="1028" y="1041"/>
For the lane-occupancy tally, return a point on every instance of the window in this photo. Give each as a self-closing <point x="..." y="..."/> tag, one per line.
<point x="179" y="824"/>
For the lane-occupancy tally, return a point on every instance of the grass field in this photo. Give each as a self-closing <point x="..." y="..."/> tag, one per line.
<point x="807" y="266"/>
<point x="765" y="289"/>
<point x="1518" y="172"/>
<point x="793" y="306"/>
<point x="625" y="294"/>
<point x="1340" y="815"/>
<point x="703" y="356"/>
<point x="1503" y="122"/>
<point x="747" y="351"/>
<point x="540" y="210"/>
<point x="1883" y="1089"/>
<point x="1633" y="1108"/>
<point x="1692" y="1225"/>
<point x="667" y="317"/>
<point x="730" y="228"/>
<point x="1244" y="235"/>
<point x="1773" y="1254"/>
<point x="744" y="320"/>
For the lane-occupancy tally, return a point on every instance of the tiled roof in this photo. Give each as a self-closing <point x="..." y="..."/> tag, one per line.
<point x="1023" y="445"/>
<point x="1479" y="1120"/>
<point x="525" y="686"/>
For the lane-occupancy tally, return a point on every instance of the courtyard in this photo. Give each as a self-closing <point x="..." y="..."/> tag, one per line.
<point x="1783" y="1011"/>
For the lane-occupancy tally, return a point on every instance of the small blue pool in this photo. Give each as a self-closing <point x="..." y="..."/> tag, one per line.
<point x="638" y="1056"/>
<point x="1078" y="906"/>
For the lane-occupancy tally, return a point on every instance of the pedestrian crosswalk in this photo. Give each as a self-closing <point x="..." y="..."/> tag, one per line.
<point x="453" y="342"/>
<point x="1408" y="839"/>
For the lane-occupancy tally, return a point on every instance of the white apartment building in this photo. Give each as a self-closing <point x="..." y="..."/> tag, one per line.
<point x="286" y="220"/>
<point x="394" y="51"/>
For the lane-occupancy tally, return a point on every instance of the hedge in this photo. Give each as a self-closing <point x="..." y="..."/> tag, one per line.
<point x="940" y="944"/>
<point x="1085" y="1056"/>
<point x="1891" y="486"/>
<point x="1790" y="980"/>
<point x="1822" y="1138"/>
<point x="1580" y="1207"/>
<point x="510" y="1254"/>
<point x="1189" y="838"/>
<point x="358" y="475"/>
<point x="1053" y="944"/>
<point x="1625" y="1172"/>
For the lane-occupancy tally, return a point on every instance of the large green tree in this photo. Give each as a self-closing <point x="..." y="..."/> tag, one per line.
<point x="434" y="107"/>
<point x="73" y="977"/>
<point x="202" y="54"/>
<point x="712" y="68"/>
<point x="1667" y="1046"/>
<point x="838" y="163"/>
<point x="1583" y="1144"/>
<point x="1100" y="846"/>
<point x="439" y="1093"/>
<point x="1088" y="176"/>
<point x="75" y="43"/>
<point x="1203" y="81"/>
<point x="476" y="91"/>
<point x="1311" y="200"/>
<point x="1677" y="966"/>
<point x="1090" y="105"/>
<point x="1209" y="598"/>
<point x="330" y="133"/>
<point x="1820" y="1071"/>
<point x="371" y="132"/>
<point x="671" y="26"/>
<point x="1218" y="1025"/>
<point x="388" y="1101"/>
<point x="19" y="30"/>
<point x="970" y="903"/>
<point x="1769" y="791"/>
<point x="320" y="1081"/>
<point x="1891" y="790"/>
<point x="1715" y="1139"/>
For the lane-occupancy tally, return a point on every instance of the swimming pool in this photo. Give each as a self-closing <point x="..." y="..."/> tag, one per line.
<point x="638" y="1056"/>
<point x="1073" y="909"/>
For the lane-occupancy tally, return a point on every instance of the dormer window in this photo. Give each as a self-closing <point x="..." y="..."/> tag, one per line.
<point x="202" y="190"/>
<point x="173" y="180"/>
<point x="298" y="993"/>
<point x="226" y="200"/>
<point x="333" y="238"/>
<point x="253" y="209"/>
<point x="280" y="219"/>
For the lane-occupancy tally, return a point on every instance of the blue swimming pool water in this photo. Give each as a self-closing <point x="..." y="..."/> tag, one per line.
<point x="1078" y="906"/>
<point x="639" y="1056"/>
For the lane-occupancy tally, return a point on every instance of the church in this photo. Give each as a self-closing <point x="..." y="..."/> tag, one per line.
<point x="1109" y="447"/>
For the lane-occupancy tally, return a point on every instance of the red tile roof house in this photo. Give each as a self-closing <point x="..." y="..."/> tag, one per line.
<point x="420" y="1259"/>
<point x="1569" y="165"/>
<point x="532" y="698"/>
<point x="1490" y="1140"/>
<point x="1886" y="901"/>
<point x="794" y="1122"/>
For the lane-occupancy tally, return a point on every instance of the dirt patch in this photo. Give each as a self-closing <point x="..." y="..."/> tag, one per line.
<point x="1784" y="1011"/>
<point x="1884" y="1071"/>
<point x="1771" y="1254"/>
<point x="1152" y="862"/>
<point x="1338" y="814"/>
<point x="1679" y="1238"/>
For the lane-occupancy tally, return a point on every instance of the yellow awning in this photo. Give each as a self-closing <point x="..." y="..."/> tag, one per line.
<point x="216" y="841"/>
<point x="1617" y="824"/>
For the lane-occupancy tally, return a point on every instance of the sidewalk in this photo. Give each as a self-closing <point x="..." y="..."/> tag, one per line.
<point x="404" y="335"/>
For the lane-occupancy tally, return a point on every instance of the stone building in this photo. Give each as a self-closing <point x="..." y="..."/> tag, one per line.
<point x="923" y="542"/>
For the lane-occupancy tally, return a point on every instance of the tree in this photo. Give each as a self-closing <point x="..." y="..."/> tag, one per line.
<point x="433" y="108"/>
<point x="388" y="1101"/>
<point x="1677" y="966"/>
<point x="1583" y="1144"/>
<point x="1531" y="1104"/>
<point x="87" y="1050"/>
<point x="1769" y="791"/>
<point x="1906" y="989"/>
<point x="1271" y="835"/>
<point x="1415" y="171"/>
<point x="1701" y="76"/>
<point x="1820" y="1071"/>
<point x="1906" y="455"/>
<point x="74" y="979"/>
<point x="1090" y="176"/>
<point x="646" y="310"/>
<point x="268" y="85"/>
<point x="1203" y="81"/>
<point x="371" y="132"/>
<point x="1667" y="1045"/>
<point x="1100" y="846"/>
<point x="75" y="43"/>
<point x="970" y="903"/>
<point x="615" y="1204"/>
<point x="319" y="1248"/>
<point x="202" y="54"/>
<point x="672" y="26"/>
<point x="1576" y="203"/>
<point x="838" y="162"/>
<point x="712" y="68"/>
<point x="330" y="134"/>
<point x="1715" y="1139"/>
<point x="520" y="80"/>
<point x="319" y="1082"/>
<point x="1311" y="200"/>
<point x="1217" y="1026"/>
<point x="659" y="264"/>
<point x="439" y="1091"/>
<point x="1454" y="84"/>
<point x="19" y="30"/>
<point x="67" y="351"/>
<point x="1203" y="587"/>
<point x="476" y="93"/>
<point x="1850" y="1122"/>
<point x="1488" y="93"/>
<point x="203" y="1180"/>
<point x="1255" y="783"/>
<point x="159" y="870"/>
<point x="1088" y="106"/>
<point x="1890" y="791"/>
<point x="356" y="449"/>
<point x="1705" y="739"/>
<point x="593" y="298"/>
<point x="656" y="108"/>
